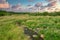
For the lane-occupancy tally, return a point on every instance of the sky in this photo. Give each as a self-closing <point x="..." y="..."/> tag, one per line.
<point x="30" y="5"/>
<point x="25" y="2"/>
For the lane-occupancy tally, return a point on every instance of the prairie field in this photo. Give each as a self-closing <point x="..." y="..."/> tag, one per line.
<point x="49" y="26"/>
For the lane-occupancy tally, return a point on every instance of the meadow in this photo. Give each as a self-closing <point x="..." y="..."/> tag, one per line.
<point x="48" y="24"/>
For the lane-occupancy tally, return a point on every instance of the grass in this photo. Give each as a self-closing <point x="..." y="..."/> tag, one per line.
<point x="48" y="24"/>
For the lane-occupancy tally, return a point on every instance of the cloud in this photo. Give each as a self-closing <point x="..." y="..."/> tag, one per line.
<point x="52" y="3"/>
<point x="4" y="4"/>
<point x="39" y="4"/>
<point x="52" y="6"/>
<point x="16" y="6"/>
<point x="30" y="0"/>
<point x="38" y="7"/>
<point x="29" y="5"/>
<point x="2" y="1"/>
<point x="51" y="0"/>
<point x="20" y="8"/>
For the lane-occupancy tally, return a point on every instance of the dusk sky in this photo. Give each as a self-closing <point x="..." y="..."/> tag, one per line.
<point x="30" y="5"/>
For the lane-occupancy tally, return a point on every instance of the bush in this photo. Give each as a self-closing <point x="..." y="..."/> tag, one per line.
<point x="3" y="13"/>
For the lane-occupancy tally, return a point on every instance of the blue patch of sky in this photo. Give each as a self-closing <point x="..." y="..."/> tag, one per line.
<point x="25" y="2"/>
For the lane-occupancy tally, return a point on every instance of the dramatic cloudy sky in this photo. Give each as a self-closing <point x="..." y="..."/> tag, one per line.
<point x="30" y="5"/>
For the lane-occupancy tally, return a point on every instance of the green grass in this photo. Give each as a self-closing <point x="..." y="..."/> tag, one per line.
<point x="48" y="25"/>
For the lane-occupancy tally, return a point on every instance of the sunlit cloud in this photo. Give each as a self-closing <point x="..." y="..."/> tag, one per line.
<point x="52" y="3"/>
<point x="4" y="4"/>
<point x="51" y="0"/>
